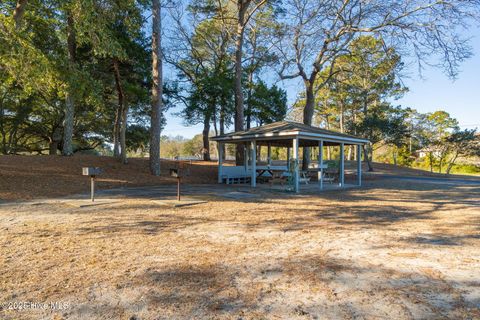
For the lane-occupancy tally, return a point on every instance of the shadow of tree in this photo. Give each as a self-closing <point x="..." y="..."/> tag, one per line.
<point x="442" y="240"/>
<point x="141" y="224"/>
<point x="376" y="291"/>
<point x="309" y="286"/>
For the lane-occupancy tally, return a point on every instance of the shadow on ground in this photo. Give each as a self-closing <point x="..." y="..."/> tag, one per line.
<point x="324" y="286"/>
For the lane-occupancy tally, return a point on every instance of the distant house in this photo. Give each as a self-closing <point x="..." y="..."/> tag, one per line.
<point x="424" y="152"/>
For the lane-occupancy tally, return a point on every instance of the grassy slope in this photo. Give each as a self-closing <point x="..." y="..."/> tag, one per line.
<point x="27" y="177"/>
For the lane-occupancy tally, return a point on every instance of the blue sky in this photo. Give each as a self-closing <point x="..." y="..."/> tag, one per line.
<point x="433" y="91"/>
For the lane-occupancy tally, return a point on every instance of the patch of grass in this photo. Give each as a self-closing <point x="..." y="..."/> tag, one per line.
<point x="465" y="169"/>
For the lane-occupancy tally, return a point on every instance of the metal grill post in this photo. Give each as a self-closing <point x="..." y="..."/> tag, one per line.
<point x="92" y="188"/>
<point x="178" y="188"/>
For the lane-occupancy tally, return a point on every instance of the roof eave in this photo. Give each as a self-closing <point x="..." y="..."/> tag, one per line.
<point x="254" y="136"/>
<point x="334" y="138"/>
<point x="326" y="137"/>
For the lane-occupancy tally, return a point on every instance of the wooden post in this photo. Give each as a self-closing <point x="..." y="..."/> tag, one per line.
<point x="359" y="165"/>
<point x="288" y="158"/>
<point x="220" y="161"/>
<point x="178" y="188"/>
<point x="269" y="154"/>
<point x="320" y="164"/>
<point x="342" y="165"/>
<point x="254" y="163"/>
<point x="245" y="157"/>
<point x="296" y="174"/>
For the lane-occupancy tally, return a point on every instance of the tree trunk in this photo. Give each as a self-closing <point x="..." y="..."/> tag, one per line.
<point x="342" y="117"/>
<point x="214" y="121"/>
<point x="222" y="127"/>
<point x="443" y="155"/>
<point x="156" y="115"/>
<point x="307" y="118"/>
<point x="430" y="157"/>
<point x="206" y="142"/>
<point x="52" y="147"/>
<point x="367" y="159"/>
<point x="18" y="13"/>
<point x="123" y="135"/>
<point x="451" y="163"/>
<point x="117" y="125"/>
<point x="116" y="132"/>
<point x="55" y="140"/>
<point x="239" y="107"/>
<point x="2" y="129"/>
<point x="122" y="114"/>
<point x="365" y="103"/>
<point x="249" y="98"/>
<point x="69" y="101"/>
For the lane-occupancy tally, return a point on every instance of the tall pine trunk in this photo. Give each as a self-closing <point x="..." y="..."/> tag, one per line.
<point x="239" y="107"/>
<point x="249" y="98"/>
<point x="123" y="136"/>
<point x="222" y="127"/>
<point x="342" y="117"/>
<point x="308" y="117"/>
<point x="116" y="132"/>
<point x="156" y="115"/>
<point x="368" y="150"/>
<point x="67" y="149"/>
<point x="121" y="116"/>
<point x="206" y="142"/>
<point x="18" y="13"/>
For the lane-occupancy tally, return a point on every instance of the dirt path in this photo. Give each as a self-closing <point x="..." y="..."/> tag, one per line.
<point x="394" y="249"/>
<point x="440" y="180"/>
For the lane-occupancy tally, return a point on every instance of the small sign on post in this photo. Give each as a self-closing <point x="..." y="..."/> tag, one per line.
<point x="92" y="172"/>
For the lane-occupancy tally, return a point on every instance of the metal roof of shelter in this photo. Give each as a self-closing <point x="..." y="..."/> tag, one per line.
<point x="280" y="134"/>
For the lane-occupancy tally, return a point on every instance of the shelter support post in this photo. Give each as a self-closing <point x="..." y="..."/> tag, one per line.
<point x="296" y="173"/>
<point x="92" y="188"/>
<point x="220" y="161"/>
<point x="288" y="158"/>
<point x="320" y="164"/>
<point x="269" y="154"/>
<point x="245" y="157"/>
<point x="359" y="165"/>
<point x="342" y="165"/>
<point x="254" y="163"/>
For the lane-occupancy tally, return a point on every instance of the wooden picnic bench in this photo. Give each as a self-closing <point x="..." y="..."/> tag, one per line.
<point x="331" y="175"/>
<point x="236" y="174"/>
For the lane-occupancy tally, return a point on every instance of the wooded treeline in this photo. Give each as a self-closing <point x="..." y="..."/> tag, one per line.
<point x="82" y="75"/>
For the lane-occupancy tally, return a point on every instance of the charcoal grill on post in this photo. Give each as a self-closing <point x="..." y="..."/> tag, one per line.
<point x="181" y="170"/>
<point x="92" y="172"/>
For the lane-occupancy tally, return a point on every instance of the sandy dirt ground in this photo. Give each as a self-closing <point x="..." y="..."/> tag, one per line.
<point x="391" y="250"/>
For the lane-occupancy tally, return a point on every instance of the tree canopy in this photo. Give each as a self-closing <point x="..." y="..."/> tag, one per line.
<point x="88" y="75"/>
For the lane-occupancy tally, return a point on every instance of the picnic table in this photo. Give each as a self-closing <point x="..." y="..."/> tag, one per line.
<point x="261" y="170"/>
<point x="272" y="174"/>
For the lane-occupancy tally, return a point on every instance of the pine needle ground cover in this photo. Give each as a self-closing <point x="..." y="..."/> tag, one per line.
<point x="390" y="250"/>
